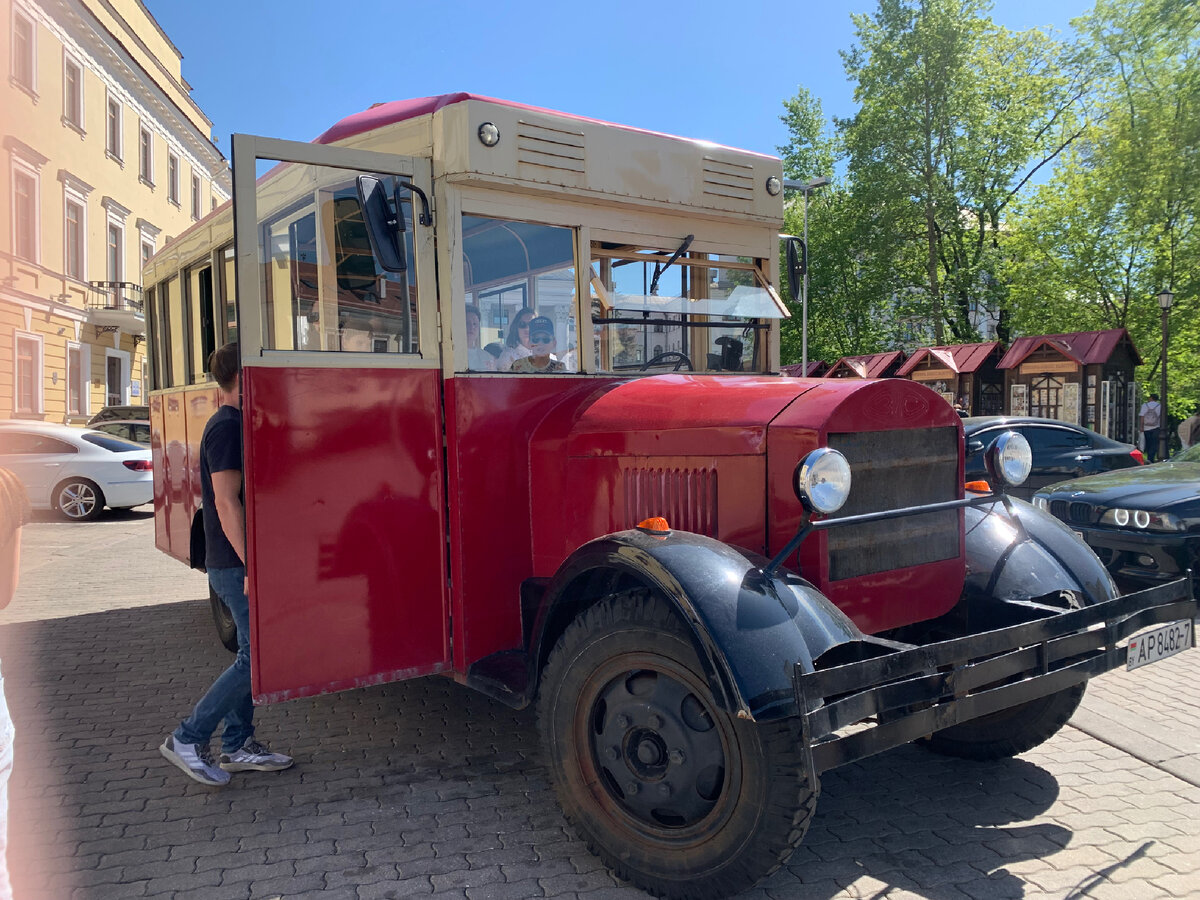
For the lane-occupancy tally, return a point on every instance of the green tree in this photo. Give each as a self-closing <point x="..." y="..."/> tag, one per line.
<point x="956" y="116"/>
<point x="1117" y="223"/>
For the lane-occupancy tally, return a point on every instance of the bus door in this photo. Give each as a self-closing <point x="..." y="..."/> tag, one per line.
<point x="342" y="417"/>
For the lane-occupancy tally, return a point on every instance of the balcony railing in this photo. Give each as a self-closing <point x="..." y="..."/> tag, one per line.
<point x="117" y="295"/>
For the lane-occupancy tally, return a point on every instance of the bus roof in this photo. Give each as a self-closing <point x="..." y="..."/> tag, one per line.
<point x="382" y="114"/>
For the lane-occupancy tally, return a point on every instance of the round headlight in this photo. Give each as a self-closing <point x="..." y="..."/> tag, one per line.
<point x="1141" y="518"/>
<point x="822" y="481"/>
<point x="1009" y="459"/>
<point x="1121" y="517"/>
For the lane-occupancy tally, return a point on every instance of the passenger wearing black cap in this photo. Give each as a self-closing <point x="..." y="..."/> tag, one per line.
<point x="541" y="358"/>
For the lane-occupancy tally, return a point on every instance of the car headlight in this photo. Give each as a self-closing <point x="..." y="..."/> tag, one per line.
<point x="1141" y="519"/>
<point x="1009" y="459"/>
<point x="822" y="480"/>
<point x="1041" y="503"/>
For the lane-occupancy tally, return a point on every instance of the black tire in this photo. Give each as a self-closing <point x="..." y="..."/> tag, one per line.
<point x="1017" y="729"/>
<point x="676" y="795"/>
<point x="223" y="619"/>
<point x="1010" y="731"/>
<point x="78" y="499"/>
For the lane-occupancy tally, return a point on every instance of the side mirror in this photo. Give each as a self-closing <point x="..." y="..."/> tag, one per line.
<point x="797" y="264"/>
<point x="385" y="227"/>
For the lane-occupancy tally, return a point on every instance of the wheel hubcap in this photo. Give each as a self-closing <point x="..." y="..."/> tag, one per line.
<point x="77" y="500"/>
<point x="657" y="749"/>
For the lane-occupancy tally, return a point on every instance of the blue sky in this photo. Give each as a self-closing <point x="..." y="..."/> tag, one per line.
<point x="700" y="69"/>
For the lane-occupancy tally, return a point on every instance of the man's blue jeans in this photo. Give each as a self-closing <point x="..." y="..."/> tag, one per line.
<point x="229" y="697"/>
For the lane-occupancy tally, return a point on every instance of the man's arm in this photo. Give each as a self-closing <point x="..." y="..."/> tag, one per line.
<point x="227" y="489"/>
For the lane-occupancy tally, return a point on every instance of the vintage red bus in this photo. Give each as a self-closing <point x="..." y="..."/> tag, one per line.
<point x="654" y="537"/>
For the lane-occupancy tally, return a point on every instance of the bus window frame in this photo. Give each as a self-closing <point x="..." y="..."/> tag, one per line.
<point x="247" y="151"/>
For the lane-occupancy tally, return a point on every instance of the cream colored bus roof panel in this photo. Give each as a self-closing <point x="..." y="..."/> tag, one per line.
<point x="537" y="147"/>
<point x="593" y="159"/>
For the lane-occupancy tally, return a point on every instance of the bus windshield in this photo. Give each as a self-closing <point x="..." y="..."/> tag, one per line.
<point x="655" y="310"/>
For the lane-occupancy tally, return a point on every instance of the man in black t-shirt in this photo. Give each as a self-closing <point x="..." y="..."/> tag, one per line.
<point x="229" y="697"/>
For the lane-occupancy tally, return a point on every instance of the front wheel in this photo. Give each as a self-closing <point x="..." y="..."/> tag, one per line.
<point x="1010" y="731"/>
<point x="223" y="619"/>
<point x="671" y="791"/>
<point x="78" y="499"/>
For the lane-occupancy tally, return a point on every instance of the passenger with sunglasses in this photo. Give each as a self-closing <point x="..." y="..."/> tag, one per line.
<point x="517" y="344"/>
<point x="540" y="359"/>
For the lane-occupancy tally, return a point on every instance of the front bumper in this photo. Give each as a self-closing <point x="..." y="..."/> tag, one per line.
<point x="861" y="708"/>
<point x="1143" y="557"/>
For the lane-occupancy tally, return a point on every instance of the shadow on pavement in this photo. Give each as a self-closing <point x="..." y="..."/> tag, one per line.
<point x="129" y="514"/>
<point x="405" y="786"/>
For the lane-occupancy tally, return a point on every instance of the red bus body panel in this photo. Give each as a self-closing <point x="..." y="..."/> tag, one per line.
<point x="368" y="539"/>
<point x="345" y="527"/>
<point x="177" y="420"/>
<point x="846" y="406"/>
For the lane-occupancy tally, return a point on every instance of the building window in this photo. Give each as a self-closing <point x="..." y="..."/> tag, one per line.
<point x="173" y="178"/>
<point x="195" y="196"/>
<point x="27" y="385"/>
<point x="147" y="252"/>
<point x="76" y="380"/>
<point x="25" y="214"/>
<point x="113" y="144"/>
<point x="146" y="156"/>
<point x="72" y="93"/>
<point x="116" y="241"/>
<point x="24" y="51"/>
<point x="75" y="241"/>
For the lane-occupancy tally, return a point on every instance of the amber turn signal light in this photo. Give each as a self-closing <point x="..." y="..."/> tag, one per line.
<point x="978" y="487"/>
<point x="654" y="525"/>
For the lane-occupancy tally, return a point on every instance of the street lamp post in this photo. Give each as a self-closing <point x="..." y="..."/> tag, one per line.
<point x="1165" y="299"/>
<point x="806" y="188"/>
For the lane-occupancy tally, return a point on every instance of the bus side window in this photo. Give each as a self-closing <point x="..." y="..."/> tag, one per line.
<point x="324" y="288"/>
<point x="513" y="266"/>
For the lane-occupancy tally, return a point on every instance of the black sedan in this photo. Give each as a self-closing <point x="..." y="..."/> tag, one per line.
<point x="1060" y="450"/>
<point x="1143" y="523"/>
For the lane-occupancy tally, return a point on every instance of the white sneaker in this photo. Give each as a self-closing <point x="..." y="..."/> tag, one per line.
<point x="253" y="756"/>
<point x="195" y="760"/>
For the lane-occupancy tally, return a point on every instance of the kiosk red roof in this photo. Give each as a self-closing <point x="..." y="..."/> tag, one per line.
<point x="957" y="358"/>
<point x="1085" y="347"/>
<point x="816" y="368"/>
<point x="872" y="365"/>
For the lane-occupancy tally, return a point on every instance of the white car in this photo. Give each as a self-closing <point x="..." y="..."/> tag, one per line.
<point x="76" y="471"/>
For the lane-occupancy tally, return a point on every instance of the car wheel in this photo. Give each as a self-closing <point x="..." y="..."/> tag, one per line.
<point x="223" y="619"/>
<point x="671" y="791"/>
<point x="78" y="499"/>
<point x="1012" y="731"/>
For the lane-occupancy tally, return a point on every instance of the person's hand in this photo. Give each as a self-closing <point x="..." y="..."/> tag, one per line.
<point x="246" y="586"/>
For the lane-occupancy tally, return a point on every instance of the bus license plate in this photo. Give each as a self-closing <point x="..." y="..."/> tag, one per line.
<point x="1164" y="641"/>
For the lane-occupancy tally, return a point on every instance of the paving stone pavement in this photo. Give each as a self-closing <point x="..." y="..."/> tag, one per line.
<point x="427" y="789"/>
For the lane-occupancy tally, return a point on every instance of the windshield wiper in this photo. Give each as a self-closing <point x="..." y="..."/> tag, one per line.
<point x="687" y="242"/>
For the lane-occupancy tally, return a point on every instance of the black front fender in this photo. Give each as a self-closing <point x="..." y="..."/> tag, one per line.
<point x="1021" y="553"/>
<point x="750" y="630"/>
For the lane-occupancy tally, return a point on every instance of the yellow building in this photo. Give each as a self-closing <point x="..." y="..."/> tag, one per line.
<point x="106" y="157"/>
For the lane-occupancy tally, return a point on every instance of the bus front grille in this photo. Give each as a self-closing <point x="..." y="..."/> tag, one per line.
<point x="891" y="470"/>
